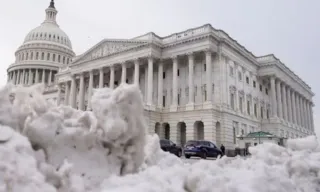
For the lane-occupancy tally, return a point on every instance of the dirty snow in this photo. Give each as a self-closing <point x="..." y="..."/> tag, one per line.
<point x="44" y="147"/>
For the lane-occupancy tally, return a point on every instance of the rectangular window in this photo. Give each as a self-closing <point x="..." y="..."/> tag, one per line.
<point x="232" y="100"/>
<point x="178" y="72"/>
<point x="164" y="75"/>
<point x="204" y="67"/>
<point x="240" y="104"/>
<point x="247" y="80"/>
<point x="231" y="71"/>
<point x="240" y="76"/>
<point x="248" y="107"/>
<point x="163" y="101"/>
<point x="54" y="57"/>
<point x="266" y="91"/>
<point x="254" y="84"/>
<point x="267" y="113"/>
<point x="255" y="110"/>
<point x="260" y="88"/>
<point x="178" y="99"/>
<point x="261" y="112"/>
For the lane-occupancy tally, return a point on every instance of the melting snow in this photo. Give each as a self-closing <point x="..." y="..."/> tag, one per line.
<point x="44" y="147"/>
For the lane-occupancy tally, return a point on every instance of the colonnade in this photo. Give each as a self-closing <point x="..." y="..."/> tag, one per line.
<point x="78" y="79"/>
<point x="290" y="105"/>
<point x="31" y="76"/>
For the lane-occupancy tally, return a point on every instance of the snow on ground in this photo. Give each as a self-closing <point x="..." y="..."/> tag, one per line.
<point x="44" y="147"/>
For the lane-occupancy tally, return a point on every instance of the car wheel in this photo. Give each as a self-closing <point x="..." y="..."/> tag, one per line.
<point x="204" y="155"/>
<point x="187" y="156"/>
<point x="179" y="154"/>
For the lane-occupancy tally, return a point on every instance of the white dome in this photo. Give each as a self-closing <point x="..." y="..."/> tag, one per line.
<point x="50" y="32"/>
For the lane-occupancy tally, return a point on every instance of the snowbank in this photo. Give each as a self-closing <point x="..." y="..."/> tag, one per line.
<point x="108" y="150"/>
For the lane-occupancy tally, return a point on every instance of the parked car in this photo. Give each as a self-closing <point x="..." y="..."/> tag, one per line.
<point x="171" y="147"/>
<point x="200" y="148"/>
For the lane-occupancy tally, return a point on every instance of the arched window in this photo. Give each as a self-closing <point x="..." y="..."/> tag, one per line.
<point x="37" y="55"/>
<point x="54" y="57"/>
<point x="67" y="60"/>
<point x="42" y="56"/>
<point x="64" y="60"/>
<point x="27" y="56"/>
<point x="48" y="56"/>
<point x="31" y="56"/>
<point x="22" y="56"/>
<point x="59" y="58"/>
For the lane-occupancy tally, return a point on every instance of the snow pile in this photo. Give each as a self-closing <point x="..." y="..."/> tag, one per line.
<point x="108" y="150"/>
<point x="85" y="147"/>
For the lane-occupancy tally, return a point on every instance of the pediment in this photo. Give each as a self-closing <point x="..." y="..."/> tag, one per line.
<point x="108" y="47"/>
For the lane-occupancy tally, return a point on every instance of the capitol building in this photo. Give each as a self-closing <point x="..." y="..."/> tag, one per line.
<point x="196" y="84"/>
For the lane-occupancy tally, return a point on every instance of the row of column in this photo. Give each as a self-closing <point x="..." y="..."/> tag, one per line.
<point x="289" y="105"/>
<point x="30" y="76"/>
<point x="70" y="98"/>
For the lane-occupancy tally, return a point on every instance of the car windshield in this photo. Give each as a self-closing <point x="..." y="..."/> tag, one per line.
<point x="164" y="142"/>
<point x="194" y="143"/>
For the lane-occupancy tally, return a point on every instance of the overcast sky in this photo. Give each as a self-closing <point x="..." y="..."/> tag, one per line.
<point x="288" y="28"/>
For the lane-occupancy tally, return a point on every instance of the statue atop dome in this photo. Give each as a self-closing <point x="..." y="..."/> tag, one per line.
<point x="52" y="4"/>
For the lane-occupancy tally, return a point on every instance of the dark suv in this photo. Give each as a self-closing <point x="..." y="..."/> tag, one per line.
<point x="203" y="149"/>
<point x="169" y="146"/>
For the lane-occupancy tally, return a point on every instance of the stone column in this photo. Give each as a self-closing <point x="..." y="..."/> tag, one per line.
<point x="124" y="72"/>
<point x="30" y="77"/>
<point x="289" y="103"/>
<point x="14" y="77"/>
<point x="23" y="77"/>
<point x="160" y="84"/>
<point x="303" y="113"/>
<point x="150" y="80"/>
<point x="66" y="93"/>
<point x="279" y="102"/>
<point x="311" y="117"/>
<point x="59" y="94"/>
<point x="174" y="103"/>
<point x="50" y="78"/>
<point x="306" y="116"/>
<point x="284" y="102"/>
<point x="72" y="101"/>
<point x="18" y="77"/>
<point x="136" y="71"/>
<point x="90" y="89"/>
<point x="294" y="108"/>
<point x="111" y="76"/>
<point x="43" y="76"/>
<point x="273" y="96"/>
<point x="81" y="92"/>
<point x="209" y="75"/>
<point x="37" y="76"/>
<point x="101" y="77"/>
<point x="298" y="110"/>
<point x="190" y="104"/>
